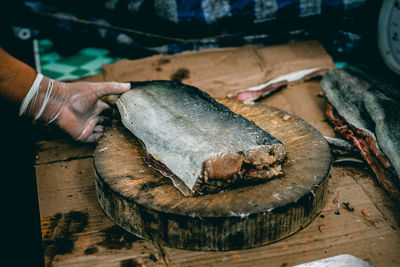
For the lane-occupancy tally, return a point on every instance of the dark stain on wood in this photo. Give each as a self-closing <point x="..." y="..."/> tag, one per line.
<point x="150" y="184"/>
<point x="130" y="263"/>
<point x="117" y="238"/>
<point x="153" y="257"/>
<point x="180" y="74"/>
<point x="370" y="223"/>
<point x="91" y="250"/>
<point x="237" y="240"/>
<point x="59" y="234"/>
<point x="163" y="61"/>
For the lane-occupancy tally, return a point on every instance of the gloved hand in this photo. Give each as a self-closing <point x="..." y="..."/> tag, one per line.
<point x="74" y="107"/>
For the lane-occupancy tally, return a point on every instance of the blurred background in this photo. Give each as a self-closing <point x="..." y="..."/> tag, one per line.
<point x="73" y="38"/>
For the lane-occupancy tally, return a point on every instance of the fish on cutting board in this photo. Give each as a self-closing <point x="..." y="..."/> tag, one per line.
<point x="366" y="110"/>
<point x="200" y="144"/>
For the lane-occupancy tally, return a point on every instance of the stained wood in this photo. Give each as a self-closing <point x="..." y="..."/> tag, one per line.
<point x="67" y="187"/>
<point x="143" y="202"/>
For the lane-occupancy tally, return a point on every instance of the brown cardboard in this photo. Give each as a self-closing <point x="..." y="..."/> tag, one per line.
<point x="221" y="72"/>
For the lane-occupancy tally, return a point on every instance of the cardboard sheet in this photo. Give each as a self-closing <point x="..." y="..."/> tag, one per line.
<point x="221" y="72"/>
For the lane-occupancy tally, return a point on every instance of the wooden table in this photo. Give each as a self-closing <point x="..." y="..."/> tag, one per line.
<point x="76" y="232"/>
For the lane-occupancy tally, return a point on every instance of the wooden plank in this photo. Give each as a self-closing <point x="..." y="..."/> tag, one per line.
<point x="75" y="230"/>
<point x="53" y="145"/>
<point x="61" y="150"/>
<point x="374" y="238"/>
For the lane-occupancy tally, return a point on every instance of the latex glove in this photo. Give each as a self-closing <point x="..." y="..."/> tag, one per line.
<point x="74" y="107"/>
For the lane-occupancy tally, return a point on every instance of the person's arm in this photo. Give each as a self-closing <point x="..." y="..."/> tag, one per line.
<point x="16" y="77"/>
<point x="74" y="107"/>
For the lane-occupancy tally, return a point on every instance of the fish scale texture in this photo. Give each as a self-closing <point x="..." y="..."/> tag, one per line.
<point x="182" y="127"/>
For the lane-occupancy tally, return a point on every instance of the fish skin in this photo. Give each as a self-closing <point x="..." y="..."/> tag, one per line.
<point x="382" y="101"/>
<point x="385" y="112"/>
<point x="182" y="127"/>
<point x="343" y="150"/>
<point x="345" y="92"/>
<point x="368" y="103"/>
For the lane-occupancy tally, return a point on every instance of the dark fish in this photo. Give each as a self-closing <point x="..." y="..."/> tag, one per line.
<point x="343" y="150"/>
<point x="345" y="92"/>
<point x="385" y="112"/>
<point x="341" y="146"/>
<point x="366" y="110"/>
<point x="197" y="142"/>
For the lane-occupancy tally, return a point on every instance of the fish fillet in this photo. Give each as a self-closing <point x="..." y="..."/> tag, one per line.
<point x="197" y="142"/>
<point x="366" y="110"/>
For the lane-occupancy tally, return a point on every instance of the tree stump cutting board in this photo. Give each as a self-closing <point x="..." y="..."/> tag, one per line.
<point x="143" y="202"/>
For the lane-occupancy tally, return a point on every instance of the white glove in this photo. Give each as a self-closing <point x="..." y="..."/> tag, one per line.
<point x="74" y="107"/>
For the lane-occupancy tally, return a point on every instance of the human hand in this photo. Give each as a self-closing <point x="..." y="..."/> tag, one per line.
<point x="81" y="115"/>
<point x="74" y="107"/>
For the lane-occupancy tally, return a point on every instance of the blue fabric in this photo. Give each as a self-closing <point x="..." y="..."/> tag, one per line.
<point x="172" y="26"/>
<point x="242" y="9"/>
<point x="193" y="10"/>
<point x="190" y="11"/>
<point x="287" y="8"/>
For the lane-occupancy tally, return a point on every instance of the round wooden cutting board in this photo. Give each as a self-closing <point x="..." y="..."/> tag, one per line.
<point x="143" y="202"/>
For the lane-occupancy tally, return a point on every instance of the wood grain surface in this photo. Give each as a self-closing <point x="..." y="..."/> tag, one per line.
<point x="145" y="203"/>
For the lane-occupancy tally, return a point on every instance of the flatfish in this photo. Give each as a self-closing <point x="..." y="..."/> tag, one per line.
<point x="200" y="144"/>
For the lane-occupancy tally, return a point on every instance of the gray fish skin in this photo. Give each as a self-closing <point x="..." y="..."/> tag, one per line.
<point x="185" y="129"/>
<point x="385" y="112"/>
<point x="346" y="92"/>
<point x="343" y="150"/>
<point x="342" y="144"/>
<point x="382" y="103"/>
<point x="368" y="103"/>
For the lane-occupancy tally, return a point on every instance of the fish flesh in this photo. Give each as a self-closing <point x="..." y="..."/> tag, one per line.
<point x="254" y="93"/>
<point x="200" y="144"/>
<point x="365" y="109"/>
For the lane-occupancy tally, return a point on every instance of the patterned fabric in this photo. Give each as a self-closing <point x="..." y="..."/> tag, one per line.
<point x="138" y="28"/>
<point x="209" y="11"/>
<point x="85" y="62"/>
